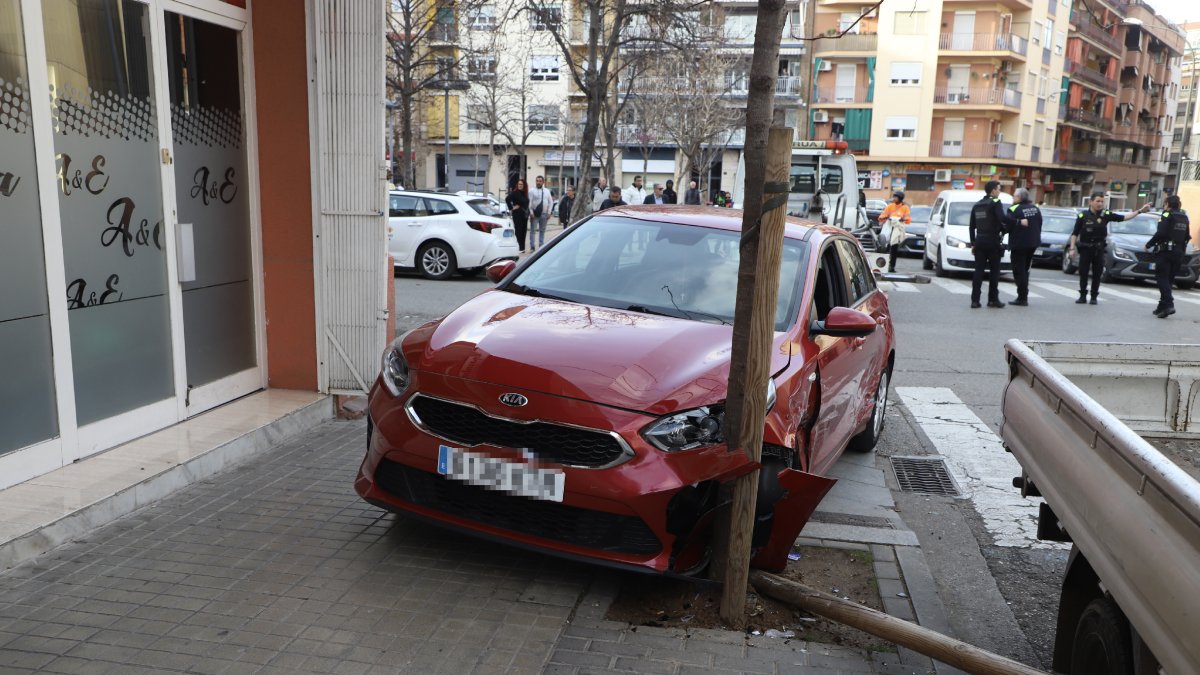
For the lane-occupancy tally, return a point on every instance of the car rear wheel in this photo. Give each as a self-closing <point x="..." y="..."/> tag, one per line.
<point x="1107" y="276"/>
<point x="1102" y="641"/>
<point x="866" y="439"/>
<point x="436" y="260"/>
<point x="940" y="269"/>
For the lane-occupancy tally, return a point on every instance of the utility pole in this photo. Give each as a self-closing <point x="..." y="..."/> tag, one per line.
<point x="446" y="86"/>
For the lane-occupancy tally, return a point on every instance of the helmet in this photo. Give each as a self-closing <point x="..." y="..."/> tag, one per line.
<point x="899" y="193"/>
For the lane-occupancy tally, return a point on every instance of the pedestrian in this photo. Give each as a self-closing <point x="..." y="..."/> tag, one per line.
<point x="599" y="193"/>
<point x="669" y="194"/>
<point x="614" y="199"/>
<point x="635" y="194"/>
<point x="692" y="196"/>
<point x="541" y="203"/>
<point x="719" y="199"/>
<point x="1089" y="239"/>
<point x="657" y="197"/>
<point x="1024" y="224"/>
<point x="565" y="205"/>
<point x="1170" y="242"/>
<point x="903" y="215"/>
<point x="986" y="232"/>
<point x="728" y="200"/>
<point x="518" y="205"/>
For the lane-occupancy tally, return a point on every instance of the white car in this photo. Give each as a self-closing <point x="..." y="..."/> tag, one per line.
<point x="948" y="240"/>
<point x="440" y="233"/>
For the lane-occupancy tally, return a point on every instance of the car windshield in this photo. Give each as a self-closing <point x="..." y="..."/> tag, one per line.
<point x="959" y="213"/>
<point x="920" y="214"/>
<point x="485" y="207"/>
<point x="876" y="204"/>
<point x="1144" y="224"/>
<point x="1059" y="223"/>
<point x="675" y="270"/>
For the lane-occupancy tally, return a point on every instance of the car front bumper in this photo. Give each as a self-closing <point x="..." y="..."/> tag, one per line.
<point x="1145" y="267"/>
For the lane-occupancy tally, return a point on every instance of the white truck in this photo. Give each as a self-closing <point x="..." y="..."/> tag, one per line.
<point x="1109" y="435"/>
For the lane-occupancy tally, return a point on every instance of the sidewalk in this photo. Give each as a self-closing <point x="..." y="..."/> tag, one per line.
<point x="276" y="566"/>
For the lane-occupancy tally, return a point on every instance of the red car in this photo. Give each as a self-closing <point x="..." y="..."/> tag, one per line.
<point x="577" y="407"/>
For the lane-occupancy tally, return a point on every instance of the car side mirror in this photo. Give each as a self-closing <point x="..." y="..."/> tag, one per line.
<point x="844" y="322"/>
<point x="935" y="220"/>
<point x="498" y="271"/>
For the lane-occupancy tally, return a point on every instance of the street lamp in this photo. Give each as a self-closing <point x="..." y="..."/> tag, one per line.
<point x="447" y="85"/>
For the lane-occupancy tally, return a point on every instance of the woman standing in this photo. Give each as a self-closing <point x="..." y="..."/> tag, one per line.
<point x="518" y="204"/>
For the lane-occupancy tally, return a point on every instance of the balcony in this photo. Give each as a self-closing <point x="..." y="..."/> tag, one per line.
<point x="1086" y="27"/>
<point x="739" y="85"/>
<point x="839" y="96"/>
<point x="972" y="96"/>
<point x="1095" y="78"/>
<point x="442" y="33"/>
<point x="983" y="42"/>
<point x="1087" y="118"/>
<point x="788" y="86"/>
<point x="1080" y="158"/>
<point x="850" y="42"/>
<point x="1011" y="4"/>
<point x="942" y="148"/>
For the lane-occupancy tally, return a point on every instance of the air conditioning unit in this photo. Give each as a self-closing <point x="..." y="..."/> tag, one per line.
<point x="820" y="116"/>
<point x="941" y="176"/>
<point x="825" y="67"/>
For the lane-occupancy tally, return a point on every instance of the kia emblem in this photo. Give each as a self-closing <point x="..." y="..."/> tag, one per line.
<point x="515" y="400"/>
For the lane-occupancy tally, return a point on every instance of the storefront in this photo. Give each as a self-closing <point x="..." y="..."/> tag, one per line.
<point x="139" y="265"/>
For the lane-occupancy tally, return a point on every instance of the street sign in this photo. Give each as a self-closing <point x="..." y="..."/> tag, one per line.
<point x="969" y="183"/>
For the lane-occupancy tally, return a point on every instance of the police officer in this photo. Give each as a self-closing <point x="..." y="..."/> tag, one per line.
<point x="986" y="229"/>
<point x="1024" y="224"/>
<point x="1170" y="240"/>
<point x="1089" y="238"/>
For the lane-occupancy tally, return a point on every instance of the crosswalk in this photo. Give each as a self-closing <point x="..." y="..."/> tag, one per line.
<point x="1143" y="294"/>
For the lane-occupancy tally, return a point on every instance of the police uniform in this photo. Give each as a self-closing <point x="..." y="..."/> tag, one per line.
<point x="1023" y="240"/>
<point x="1091" y="234"/>
<point x="986" y="230"/>
<point x="1171" y="240"/>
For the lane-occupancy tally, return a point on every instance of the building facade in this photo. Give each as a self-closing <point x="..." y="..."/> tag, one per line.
<point x="161" y="219"/>
<point x="1185" y="143"/>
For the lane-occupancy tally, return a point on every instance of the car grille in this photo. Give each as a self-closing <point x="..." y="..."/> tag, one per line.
<point x="547" y="441"/>
<point x="548" y="520"/>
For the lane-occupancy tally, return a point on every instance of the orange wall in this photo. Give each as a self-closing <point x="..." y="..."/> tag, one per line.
<point x="287" y="238"/>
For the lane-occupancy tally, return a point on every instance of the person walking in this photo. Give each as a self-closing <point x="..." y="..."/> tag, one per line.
<point x="669" y="194"/>
<point x="541" y="202"/>
<point x="692" y="196"/>
<point x="657" y="197"/>
<point x="635" y="194"/>
<point x="599" y="193"/>
<point x="518" y="205"/>
<point x="1024" y="224"/>
<point x="564" y="207"/>
<point x="903" y="215"/>
<point x="1170" y="242"/>
<point x="1089" y="239"/>
<point x="986" y="232"/>
<point x="614" y="199"/>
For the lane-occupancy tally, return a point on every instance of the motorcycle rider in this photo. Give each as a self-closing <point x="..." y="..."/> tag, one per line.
<point x="897" y="209"/>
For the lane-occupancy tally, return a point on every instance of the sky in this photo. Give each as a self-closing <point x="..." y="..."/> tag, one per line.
<point x="1178" y="11"/>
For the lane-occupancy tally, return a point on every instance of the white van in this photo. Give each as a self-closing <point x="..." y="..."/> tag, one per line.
<point x="947" y="241"/>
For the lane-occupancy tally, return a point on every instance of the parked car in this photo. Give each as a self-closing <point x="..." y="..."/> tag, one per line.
<point x="1057" y="225"/>
<point x="494" y="205"/>
<point x="440" y="233"/>
<point x="947" y="239"/>
<point x="875" y="209"/>
<point x="914" y="232"/>
<point x="1126" y="257"/>
<point x="578" y="407"/>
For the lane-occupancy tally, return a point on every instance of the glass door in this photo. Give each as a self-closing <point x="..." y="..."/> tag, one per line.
<point x="212" y="214"/>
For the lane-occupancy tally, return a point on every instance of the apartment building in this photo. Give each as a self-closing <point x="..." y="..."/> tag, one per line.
<point x="941" y="94"/>
<point x="1185" y="142"/>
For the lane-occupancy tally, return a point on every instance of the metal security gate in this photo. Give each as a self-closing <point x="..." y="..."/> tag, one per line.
<point x="350" y="194"/>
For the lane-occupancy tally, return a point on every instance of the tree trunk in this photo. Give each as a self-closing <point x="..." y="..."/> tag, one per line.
<point x="406" y="130"/>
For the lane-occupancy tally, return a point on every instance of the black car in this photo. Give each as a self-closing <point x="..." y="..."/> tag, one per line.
<point x="1056" y="235"/>
<point x="914" y="232"/>
<point x="1126" y="257"/>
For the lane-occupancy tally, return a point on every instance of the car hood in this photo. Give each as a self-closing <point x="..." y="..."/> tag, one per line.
<point x="623" y="359"/>
<point x="1130" y="241"/>
<point x="916" y="228"/>
<point x="1055" y="238"/>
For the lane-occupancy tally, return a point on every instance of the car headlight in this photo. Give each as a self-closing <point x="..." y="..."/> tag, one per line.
<point x="694" y="428"/>
<point x="1122" y="254"/>
<point x="394" y="369"/>
<point x="956" y="242"/>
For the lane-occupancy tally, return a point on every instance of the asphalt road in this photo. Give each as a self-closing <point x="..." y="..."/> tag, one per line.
<point x="1001" y="598"/>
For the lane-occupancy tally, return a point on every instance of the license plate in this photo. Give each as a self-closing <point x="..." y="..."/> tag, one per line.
<point x="1150" y="266"/>
<point x="508" y="234"/>
<point x="499" y="474"/>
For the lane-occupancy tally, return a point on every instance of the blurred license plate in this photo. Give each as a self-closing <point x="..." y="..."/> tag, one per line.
<point x="1150" y="266"/>
<point x="499" y="474"/>
<point x="508" y="234"/>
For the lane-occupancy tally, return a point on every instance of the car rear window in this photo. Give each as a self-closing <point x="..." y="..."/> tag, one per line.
<point x="485" y="208"/>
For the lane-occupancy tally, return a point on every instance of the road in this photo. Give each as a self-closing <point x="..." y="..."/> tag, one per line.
<point x="999" y="586"/>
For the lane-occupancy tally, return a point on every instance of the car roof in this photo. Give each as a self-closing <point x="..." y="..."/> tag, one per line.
<point x="716" y="217"/>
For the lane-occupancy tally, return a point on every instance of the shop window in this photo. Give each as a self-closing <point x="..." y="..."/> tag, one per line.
<point x="920" y="181"/>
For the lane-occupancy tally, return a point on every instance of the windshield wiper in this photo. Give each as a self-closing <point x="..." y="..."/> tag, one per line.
<point x="534" y="293"/>
<point x="642" y="309"/>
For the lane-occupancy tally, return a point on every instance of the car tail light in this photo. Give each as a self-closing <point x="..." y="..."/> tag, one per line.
<point x="482" y="226"/>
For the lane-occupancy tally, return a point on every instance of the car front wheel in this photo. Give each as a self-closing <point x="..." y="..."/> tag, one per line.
<point x="436" y="260"/>
<point x="940" y="269"/>
<point x="1185" y="285"/>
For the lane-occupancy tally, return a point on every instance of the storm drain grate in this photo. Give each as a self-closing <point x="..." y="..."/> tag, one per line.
<point x="926" y="475"/>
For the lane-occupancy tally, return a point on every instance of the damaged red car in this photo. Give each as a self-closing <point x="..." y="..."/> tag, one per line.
<point x="577" y="407"/>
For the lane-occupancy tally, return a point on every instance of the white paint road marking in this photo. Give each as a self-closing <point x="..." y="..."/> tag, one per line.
<point x="1055" y="289"/>
<point x="899" y="286"/>
<point x="953" y="287"/>
<point x="979" y="463"/>
<point x="1109" y="290"/>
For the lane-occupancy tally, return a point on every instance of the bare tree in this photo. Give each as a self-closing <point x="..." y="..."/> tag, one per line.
<point x="422" y="50"/>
